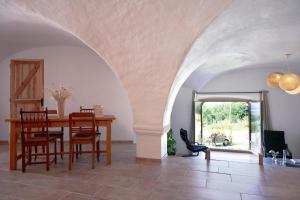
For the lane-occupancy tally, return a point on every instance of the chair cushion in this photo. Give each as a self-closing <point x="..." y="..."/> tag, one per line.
<point x="80" y="136"/>
<point x="39" y="139"/>
<point x="55" y="133"/>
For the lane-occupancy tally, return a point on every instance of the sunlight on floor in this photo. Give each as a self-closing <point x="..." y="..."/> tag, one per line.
<point x="234" y="156"/>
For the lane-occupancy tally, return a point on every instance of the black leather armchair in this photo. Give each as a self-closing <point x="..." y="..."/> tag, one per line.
<point x="274" y="140"/>
<point x="193" y="147"/>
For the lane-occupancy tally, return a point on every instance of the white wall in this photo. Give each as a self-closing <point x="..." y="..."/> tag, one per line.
<point x="284" y="108"/>
<point x="181" y="117"/>
<point x="93" y="82"/>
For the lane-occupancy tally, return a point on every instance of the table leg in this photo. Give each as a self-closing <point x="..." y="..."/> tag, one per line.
<point x="12" y="147"/>
<point x="260" y="159"/>
<point x="108" y="144"/>
<point x="207" y="155"/>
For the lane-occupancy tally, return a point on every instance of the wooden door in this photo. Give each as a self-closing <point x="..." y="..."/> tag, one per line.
<point x="26" y="85"/>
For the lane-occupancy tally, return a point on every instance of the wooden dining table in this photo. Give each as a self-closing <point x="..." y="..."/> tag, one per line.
<point x="15" y="128"/>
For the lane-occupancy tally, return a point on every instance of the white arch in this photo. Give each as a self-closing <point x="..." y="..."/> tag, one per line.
<point x="248" y="33"/>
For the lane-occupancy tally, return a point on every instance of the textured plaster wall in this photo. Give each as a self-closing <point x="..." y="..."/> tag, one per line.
<point x="91" y="80"/>
<point x="248" y="33"/>
<point x="182" y="118"/>
<point x="144" y="42"/>
<point x="284" y="108"/>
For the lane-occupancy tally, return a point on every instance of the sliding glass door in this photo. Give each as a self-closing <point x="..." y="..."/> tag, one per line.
<point x="233" y="125"/>
<point x="255" y="126"/>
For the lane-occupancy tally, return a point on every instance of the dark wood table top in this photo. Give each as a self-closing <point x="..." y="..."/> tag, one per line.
<point x="66" y="118"/>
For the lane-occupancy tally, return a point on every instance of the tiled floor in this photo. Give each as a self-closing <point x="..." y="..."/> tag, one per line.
<point x="176" y="178"/>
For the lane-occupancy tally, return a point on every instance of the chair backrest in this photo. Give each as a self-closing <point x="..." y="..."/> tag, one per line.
<point x="184" y="137"/>
<point x="82" y="122"/>
<point x="274" y="140"/>
<point x="82" y="109"/>
<point x="89" y="110"/>
<point x="33" y="123"/>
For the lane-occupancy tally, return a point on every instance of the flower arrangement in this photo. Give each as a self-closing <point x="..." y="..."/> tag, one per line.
<point x="60" y="94"/>
<point x="274" y="154"/>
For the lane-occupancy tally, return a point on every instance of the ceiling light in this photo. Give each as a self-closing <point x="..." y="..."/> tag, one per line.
<point x="273" y="79"/>
<point x="289" y="82"/>
<point x="295" y="91"/>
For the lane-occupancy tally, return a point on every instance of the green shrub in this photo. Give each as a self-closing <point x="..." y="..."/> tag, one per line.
<point x="171" y="143"/>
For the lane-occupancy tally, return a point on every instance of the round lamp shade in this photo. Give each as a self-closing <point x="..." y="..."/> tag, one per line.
<point x="273" y="79"/>
<point x="289" y="82"/>
<point x="295" y="91"/>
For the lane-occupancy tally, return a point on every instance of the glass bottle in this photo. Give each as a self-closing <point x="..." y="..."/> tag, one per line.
<point x="284" y="156"/>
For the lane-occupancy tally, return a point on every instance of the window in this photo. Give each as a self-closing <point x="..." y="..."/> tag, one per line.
<point x="225" y="124"/>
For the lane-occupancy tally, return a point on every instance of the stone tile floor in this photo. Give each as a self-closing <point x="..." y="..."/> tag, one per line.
<point x="175" y="178"/>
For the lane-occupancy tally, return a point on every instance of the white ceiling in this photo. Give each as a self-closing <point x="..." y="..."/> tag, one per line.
<point x="20" y="31"/>
<point x="248" y="34"/>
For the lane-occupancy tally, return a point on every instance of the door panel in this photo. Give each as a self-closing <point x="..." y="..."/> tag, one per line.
<point x="198" y="122"/>
<point x="255" y="124"/>
<point x="26" y="85"/>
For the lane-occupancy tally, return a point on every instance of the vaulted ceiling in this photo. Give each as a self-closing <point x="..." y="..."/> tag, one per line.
<point x="154" y="46"/>
<point x="144" y="42"/>
<point x="249" y="33"/>
<point x="20" y="30"/>
<point x="254" y="34"/>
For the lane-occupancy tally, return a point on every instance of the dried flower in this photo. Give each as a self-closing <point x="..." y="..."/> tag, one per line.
<point x="273" y="153"/>
<point x="61" y="93"/>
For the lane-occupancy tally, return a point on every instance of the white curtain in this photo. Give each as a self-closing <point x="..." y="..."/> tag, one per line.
<point x="192" y="134"/>
<point x="266" y="119"/>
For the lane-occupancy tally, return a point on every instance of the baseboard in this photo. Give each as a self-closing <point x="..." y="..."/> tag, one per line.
<point x="121" y="141"/>
<point x="148" y="160"/>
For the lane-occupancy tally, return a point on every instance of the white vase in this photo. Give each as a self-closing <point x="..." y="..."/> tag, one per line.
<point x="61" y="109"/>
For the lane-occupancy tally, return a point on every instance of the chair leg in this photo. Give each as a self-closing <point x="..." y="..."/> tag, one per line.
<point x="98" y="150"/>
<point x="47" y="157"/>
<point x="29" y="154"/>
<point x="62" y="147"/>
<point x="55" y="150"/>
<point x="80" y="148"/>
<point x="93" y="156"/>
<point x="23" y="158"/>
<point x="71" y="155"/>
<point x="35" y="151"/>
<point x="77" y="151"/>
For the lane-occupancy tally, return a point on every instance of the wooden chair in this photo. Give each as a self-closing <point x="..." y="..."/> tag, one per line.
<point x="88" y="110"/>
<point x="34" y="132"/>
<point x="82" y="131"/>
<point x="58" y="134"/>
